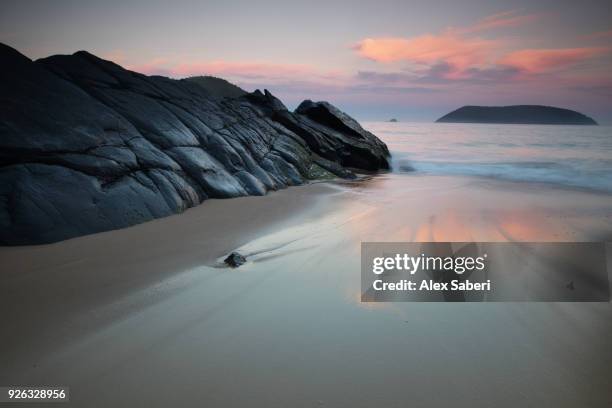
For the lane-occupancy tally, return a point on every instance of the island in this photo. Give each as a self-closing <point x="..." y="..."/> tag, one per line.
<point x="517" y="114"/>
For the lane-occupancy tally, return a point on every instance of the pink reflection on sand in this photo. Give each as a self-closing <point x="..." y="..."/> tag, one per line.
<point x="430" y="209"/>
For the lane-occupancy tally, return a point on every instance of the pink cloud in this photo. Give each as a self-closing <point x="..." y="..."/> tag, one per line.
<point x="456" y="48"/>
<point x="243" y="70"/>
<point x="456" y="51"/>
<point x="535" y="61"/>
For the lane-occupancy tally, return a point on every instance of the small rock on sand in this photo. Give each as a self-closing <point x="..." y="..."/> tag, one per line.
<point x="234" y="260"/>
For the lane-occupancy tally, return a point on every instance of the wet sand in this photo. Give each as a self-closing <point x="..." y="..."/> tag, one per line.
<point x="145" y="316"/>
<point x="50" y="293"/>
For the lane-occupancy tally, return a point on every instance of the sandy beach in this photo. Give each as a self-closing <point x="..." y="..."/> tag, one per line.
<point x="146" y="314"/>
<point x="256" y="204"/>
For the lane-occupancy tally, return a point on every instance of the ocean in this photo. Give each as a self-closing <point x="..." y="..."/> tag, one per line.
<point x="573" y="156"/>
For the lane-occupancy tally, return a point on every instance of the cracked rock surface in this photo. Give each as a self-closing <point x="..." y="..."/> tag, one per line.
<point x="87" y="146"/>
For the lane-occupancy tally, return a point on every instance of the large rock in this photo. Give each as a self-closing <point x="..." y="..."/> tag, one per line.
<point x="350" y="144"/>
<point x="87" y="146"/>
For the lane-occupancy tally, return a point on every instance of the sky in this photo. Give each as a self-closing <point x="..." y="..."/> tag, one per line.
<point x="410" y="60"/>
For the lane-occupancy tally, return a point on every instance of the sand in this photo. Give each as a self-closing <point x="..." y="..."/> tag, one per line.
<point x="145" y="315"/>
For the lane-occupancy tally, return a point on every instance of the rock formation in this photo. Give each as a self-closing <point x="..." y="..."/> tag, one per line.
<point x="218" y="87"/>
<point x="87" y="146"/>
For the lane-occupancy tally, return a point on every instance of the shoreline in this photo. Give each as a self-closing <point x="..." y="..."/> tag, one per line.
<point x="95" y="319"/>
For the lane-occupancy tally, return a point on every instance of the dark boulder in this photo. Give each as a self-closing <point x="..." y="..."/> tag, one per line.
<point x="234" y="260"/>
<point x="87" y="146"/>
<point x="338" y="137"/>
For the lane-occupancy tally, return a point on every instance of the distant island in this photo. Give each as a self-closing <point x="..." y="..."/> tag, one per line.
<point x="518" y="114"/>
<point x="393" y="120"/>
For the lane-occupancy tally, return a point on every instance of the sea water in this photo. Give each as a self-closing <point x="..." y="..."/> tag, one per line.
<point x="574" y="156"/>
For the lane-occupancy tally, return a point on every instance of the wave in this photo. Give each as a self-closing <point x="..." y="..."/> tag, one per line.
<point x="569" y="156"/>
<point x="571" y="174"/>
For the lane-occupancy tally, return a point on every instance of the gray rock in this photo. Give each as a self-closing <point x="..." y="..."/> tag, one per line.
<point x="87" y="146"/>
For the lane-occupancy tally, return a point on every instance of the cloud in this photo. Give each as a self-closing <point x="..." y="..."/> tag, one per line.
<point x="506" y="19"/>
<point x="454" y="50"/>
<point x="536" y="61"/>
<point x="464" y="55"/>
<point x="240" y="69"/>
<point x="459" y="49"/>
<point x="598" y="35"/>
<point x="438" y="74"/>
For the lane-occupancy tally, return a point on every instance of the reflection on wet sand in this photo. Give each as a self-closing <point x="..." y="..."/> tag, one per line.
<point x="437" y="208"/>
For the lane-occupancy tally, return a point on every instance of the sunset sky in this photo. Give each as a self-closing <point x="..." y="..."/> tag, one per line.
<point x="414" y="60"/>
